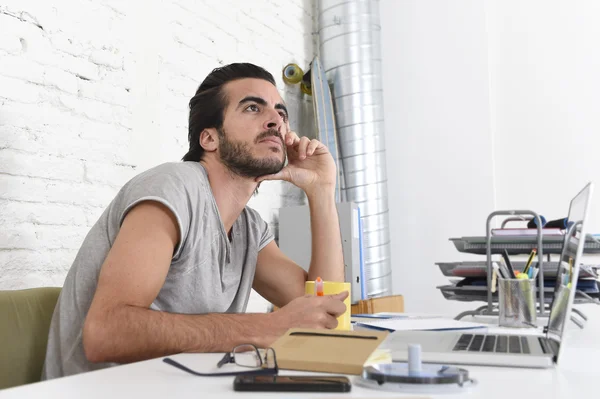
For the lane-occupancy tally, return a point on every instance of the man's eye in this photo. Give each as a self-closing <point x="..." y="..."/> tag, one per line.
<point x="253" y="108"/>
<point x="283" y="116"/>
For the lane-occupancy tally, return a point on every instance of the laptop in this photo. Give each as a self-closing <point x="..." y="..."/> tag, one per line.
<point x="540" y="350"/>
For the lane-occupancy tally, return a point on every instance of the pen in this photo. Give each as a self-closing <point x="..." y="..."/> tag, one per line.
<point x="511" y="271"/>
<point x="319" y="286"/>
<point x="531" y="256"/>
<point x="570" y="270"/>
<point x="503" y="270"/>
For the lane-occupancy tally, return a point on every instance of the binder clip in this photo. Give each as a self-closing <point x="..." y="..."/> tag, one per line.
<point x="415" y="376"/>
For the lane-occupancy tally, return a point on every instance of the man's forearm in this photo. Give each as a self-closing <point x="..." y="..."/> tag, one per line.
<point x="327" y="259"/>
<point x="130" y="333"/>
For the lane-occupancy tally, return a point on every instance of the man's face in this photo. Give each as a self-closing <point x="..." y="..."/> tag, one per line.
<point x="251" y="142"/>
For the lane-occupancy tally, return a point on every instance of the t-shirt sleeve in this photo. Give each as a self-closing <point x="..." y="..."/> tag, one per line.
<point x="261" y="233"/>
<point x="266" y="235"/>
<point x="167" y="189"/>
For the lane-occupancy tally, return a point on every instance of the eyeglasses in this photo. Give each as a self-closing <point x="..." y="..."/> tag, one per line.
<point x="242" y="355"/>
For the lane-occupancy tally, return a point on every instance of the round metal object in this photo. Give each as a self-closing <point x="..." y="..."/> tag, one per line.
<point x="430" y="378"/>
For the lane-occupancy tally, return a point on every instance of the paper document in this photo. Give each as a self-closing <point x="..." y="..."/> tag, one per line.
<point x="379" y="356"/>
<point x="418" y="324"/>
<point x="359" y="318"/>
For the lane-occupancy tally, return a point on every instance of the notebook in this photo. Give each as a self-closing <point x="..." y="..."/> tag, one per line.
<point x="328" y="351"/>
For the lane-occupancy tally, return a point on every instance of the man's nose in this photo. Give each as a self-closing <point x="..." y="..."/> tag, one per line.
<point x="273" y="121"/>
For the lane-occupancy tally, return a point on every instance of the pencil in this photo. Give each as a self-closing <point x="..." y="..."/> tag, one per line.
<point x="570" y="270"/>
<point x="531" y="256"/>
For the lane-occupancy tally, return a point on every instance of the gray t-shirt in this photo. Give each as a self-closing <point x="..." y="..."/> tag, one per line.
<point x="208" y="272"/>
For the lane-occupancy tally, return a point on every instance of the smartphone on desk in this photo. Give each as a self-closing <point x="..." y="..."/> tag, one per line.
<point x="291" y="383"/>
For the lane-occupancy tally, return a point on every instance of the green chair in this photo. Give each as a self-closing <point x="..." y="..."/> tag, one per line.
<point x="24" y="323"/>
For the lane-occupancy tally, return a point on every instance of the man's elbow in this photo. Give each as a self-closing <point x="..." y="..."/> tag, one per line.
<point x="95" y="339"/>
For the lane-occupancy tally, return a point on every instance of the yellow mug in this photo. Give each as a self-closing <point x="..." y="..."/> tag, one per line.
<point x="332" y="288"/>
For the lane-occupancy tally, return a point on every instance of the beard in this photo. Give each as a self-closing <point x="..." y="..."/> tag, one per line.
<point x="237" y="156"/>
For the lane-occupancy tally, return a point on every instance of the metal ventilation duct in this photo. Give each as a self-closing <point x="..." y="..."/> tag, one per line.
<point x="350" y="50"/>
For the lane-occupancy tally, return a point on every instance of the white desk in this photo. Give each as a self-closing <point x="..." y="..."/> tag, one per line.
<point x="575" y="377"/>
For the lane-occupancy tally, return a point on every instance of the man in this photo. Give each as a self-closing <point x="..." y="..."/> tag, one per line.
<point x="170" y="264"/>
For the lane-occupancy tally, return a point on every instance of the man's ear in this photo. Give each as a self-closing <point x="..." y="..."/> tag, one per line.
<point x="209" y="139"/>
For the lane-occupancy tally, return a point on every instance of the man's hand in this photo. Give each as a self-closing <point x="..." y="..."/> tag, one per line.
<point x="310" y="164"/>
<point x="308" y="311"/>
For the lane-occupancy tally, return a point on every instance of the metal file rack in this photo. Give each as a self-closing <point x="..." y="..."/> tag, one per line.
<point x="489" y="245"/>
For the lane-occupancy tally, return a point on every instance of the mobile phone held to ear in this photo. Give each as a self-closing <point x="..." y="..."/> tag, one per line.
<point x="291" y="383"/>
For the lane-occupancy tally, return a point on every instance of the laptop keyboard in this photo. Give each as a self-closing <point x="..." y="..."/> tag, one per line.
<point x="492" y="343"/>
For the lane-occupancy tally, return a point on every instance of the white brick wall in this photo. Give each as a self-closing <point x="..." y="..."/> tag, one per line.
<point x="94" y="92"/>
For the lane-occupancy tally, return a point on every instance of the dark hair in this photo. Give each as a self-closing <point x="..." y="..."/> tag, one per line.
<point x="208" y="104"/>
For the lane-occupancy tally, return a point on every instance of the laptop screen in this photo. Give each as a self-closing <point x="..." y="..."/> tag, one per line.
<point x="570" y="259"/>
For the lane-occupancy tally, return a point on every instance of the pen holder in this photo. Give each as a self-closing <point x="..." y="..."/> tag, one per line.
<point x="516" y="303"/>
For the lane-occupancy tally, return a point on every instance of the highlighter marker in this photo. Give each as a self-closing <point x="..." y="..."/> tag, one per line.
<point x="319" y="286"/>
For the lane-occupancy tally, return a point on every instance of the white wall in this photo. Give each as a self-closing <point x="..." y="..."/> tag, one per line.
<point x="546" y="98"/>
<point x="93" y="92"/>
<point x="488" y="105"/>
<point x="438" y="139"/>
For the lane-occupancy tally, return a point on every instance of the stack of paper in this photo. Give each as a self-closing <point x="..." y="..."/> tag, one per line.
<point x="418" y="324"/>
